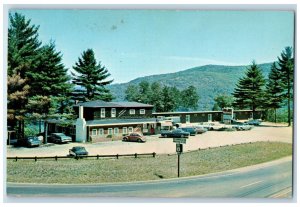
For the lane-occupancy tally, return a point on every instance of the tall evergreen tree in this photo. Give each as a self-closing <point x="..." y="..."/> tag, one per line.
<point x="91" y="76"/>
<point x="249" y="91"/>
<point x="286" y="69"/>
<point x="274" y="90"/>
<point x="23" y="50"/>
<point x="50" y="77"/>
<point x="23" y="45"/>
<point x="17" y="97"/>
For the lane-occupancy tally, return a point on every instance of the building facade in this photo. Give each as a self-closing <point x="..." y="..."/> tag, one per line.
<point x="103" y="121"/>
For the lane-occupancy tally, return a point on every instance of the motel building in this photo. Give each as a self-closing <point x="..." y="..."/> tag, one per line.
<point x="99" y="121"/>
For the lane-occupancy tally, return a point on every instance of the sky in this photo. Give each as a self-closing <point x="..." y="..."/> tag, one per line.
<point x="136" y="43"/>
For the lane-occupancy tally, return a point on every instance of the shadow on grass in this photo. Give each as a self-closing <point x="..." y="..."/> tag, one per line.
<point x="160" y="176"/>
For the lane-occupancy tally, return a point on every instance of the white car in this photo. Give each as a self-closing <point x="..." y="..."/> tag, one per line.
<point x="243" y="126"/>
<point x="212" y="126"/>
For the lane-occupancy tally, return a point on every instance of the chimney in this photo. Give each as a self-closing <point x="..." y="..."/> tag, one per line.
<point x="80" y="112"/>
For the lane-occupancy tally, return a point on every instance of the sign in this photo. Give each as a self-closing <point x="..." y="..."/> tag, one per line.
<point x="179" y="140"/>
<point x="179" y="148"/>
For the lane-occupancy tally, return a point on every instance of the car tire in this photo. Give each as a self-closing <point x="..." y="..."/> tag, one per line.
<point x="182" y="136"/>
<point x="165" y="136"/>
<point x="139" y="140"/>
<point x="125" y="139"/>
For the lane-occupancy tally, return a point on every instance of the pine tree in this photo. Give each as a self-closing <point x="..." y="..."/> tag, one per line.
<point x="286" y="70"/>
<point x="23" y="45"/>
<point x="23" y="50"/>
<point x="249" y="90"/>
<point x="17" y="97"/>
<point x="50" y="77"/>
<point x="274" y="90"/>
<point x="91" y="76"/>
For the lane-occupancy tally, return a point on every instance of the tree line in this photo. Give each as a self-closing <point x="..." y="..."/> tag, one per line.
<point x="163" y="98"/>
<point x="38" y="85"/>
<point x="254" y="92"/>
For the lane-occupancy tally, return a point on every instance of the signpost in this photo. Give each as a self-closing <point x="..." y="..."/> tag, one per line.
<point x="179" y="150"/>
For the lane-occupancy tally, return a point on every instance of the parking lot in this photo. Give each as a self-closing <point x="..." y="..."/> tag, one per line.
<point x="265" y="132"/>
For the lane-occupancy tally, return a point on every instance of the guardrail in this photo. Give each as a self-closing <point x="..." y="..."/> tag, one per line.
<point x="135" y="155"/>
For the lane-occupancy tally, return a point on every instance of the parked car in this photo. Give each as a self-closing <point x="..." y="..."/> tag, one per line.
<point x="242" y="126"/>
<point x="175" y="133"/>
<point x="78" y="151"/>
<point x="212" y="126"/>
<point x="190" y="130"/>
<point x="30" y="141"/>
<point x="60" y="138"/>
<point x="255" y="122"/>
<point x="200" y="129"/>
<point x="134" y="137"/>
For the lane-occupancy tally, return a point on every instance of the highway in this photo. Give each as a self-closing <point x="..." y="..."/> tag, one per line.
<point x="267" y="180"/>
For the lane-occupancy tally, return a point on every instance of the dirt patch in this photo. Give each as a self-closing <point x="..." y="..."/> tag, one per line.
<point x="266" y="132"/>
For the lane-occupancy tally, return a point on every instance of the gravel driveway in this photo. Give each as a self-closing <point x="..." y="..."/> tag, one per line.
<point x="266" y="132"/>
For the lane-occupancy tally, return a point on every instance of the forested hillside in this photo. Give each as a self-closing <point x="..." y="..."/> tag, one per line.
<point x="210" y="80"/>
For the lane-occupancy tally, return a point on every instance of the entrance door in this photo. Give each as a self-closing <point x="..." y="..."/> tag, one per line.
<point x="209" y="117"/>
<point x="187" y="119"/>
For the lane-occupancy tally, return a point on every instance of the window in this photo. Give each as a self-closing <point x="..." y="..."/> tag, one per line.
<point x="116" y="130"/>
<point x="94" y="132"/>
<point x="102" y="112"/>
<point x="97" y="114"/>
<point x="101" y="131"/>
<point x="110" y="131"/>
<point x="124" y="130"/>
<point x="113" y="112"/>
<point x="132" y="111"/>
<point x="142" y="111"/>
<point x="130" y="129"/>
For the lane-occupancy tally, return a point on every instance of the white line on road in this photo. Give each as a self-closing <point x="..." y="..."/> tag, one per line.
<point x="251" y="184"/>
<point x="282" y="194"/>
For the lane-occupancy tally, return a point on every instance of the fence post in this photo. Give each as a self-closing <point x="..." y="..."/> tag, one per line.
<point x="16" y="158"/>
<point x="56" y="157"/>
<point x="117" y="156"/>
<point x="35" y="158"/>
<point x="153" y="154"/>
<point x="97" y="157"/>
<point x="135" y="155"/>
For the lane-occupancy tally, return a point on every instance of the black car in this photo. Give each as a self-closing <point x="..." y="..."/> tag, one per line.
<point x="78" y="151"/>
<point x="190" y="130"/>
<point x="30" y="141"/>
<point x="59" y="138"/>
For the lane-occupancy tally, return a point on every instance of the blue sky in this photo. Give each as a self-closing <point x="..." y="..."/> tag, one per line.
<point x="135" y="43"/>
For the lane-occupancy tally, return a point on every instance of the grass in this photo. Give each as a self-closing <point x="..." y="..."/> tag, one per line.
<point x="146" y="168"/>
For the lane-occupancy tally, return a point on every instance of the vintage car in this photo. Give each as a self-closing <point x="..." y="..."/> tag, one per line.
<point x="78" y="151"/>
<point x="134" y="137"/>
<point x="175" y="133"/>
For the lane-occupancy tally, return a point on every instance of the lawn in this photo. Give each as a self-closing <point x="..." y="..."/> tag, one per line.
<point x="145" y="168"/>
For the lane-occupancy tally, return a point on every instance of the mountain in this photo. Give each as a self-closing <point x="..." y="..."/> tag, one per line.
<point x="210" y="80"/>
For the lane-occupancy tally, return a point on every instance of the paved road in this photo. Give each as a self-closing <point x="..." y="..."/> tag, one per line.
<point x="273" y="179"/>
